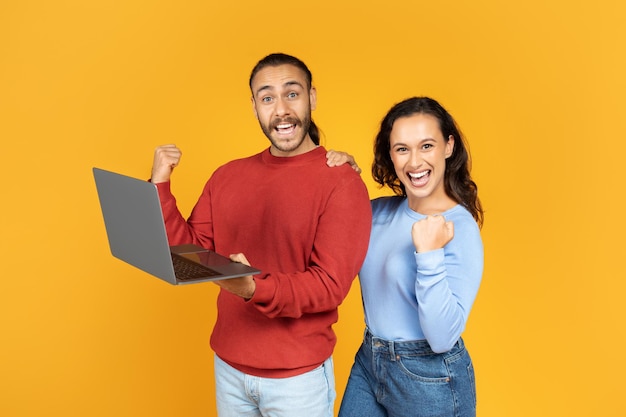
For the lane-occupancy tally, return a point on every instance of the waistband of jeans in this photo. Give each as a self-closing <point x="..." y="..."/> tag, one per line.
<point x="419" y="347"/>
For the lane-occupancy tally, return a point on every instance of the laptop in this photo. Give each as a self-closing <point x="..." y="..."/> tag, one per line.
<point x="136" y="232"/>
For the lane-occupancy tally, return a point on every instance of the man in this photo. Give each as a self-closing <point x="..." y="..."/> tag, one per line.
<point x="305" y="225"/>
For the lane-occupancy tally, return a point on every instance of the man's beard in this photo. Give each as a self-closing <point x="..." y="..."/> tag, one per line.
<point x="270" y="129"/>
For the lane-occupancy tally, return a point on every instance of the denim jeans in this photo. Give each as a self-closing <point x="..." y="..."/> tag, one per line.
<point x="403" y="379"/>
<point x="311" y="394"/>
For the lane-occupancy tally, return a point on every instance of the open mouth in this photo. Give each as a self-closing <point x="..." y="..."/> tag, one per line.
<point x="419" y="179"/>
<point x="285" y="128"/>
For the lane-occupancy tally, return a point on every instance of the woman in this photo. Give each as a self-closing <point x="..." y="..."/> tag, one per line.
<point x="422" y="271"/>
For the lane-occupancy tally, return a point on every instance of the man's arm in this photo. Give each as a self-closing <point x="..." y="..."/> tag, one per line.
<point x="341" y="242"/>
<point x="166" y="158"/>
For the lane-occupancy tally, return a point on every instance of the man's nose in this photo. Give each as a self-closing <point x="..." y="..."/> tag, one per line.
<point x="281" y="108"/>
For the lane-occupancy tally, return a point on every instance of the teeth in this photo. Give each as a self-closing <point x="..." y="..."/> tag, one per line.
<point x="418" y="175"/>
<point x="284" y="126"/>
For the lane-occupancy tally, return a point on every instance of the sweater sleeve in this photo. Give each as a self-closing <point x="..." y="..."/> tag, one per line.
<point x="338" y="251"/>
<point x="179" y="231"/>
<point x="446" y="285"/>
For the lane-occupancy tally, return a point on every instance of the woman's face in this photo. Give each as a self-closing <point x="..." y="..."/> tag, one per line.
<point x="419" y="152"/>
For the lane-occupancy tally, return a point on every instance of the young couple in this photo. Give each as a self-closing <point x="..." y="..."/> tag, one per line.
<point x="302" y="215"/>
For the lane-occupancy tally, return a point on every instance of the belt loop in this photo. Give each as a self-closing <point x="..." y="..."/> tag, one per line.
<point x="392" y="351"/>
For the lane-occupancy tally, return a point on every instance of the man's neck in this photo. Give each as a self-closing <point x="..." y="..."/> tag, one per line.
<point x="307" y="145"/>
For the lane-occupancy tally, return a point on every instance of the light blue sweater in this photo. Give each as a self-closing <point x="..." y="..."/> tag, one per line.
<point x="416" y="296"/>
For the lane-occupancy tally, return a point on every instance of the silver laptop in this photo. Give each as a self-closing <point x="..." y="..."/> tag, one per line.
<point x="136" y="231"/>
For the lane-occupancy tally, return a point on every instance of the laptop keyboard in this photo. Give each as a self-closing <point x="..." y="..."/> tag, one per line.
<point x="187" y="270"/>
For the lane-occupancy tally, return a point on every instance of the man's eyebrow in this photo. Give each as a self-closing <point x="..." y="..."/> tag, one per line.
<point x="263" y="88"/>
<point x="286" y="84"/>
<point x="290" y="83"/>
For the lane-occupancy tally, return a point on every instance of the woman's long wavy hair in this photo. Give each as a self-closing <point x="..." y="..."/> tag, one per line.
<point x="458" y="182"/>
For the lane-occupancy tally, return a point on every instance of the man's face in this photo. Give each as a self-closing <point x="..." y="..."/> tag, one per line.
<point x="283" y="103"/>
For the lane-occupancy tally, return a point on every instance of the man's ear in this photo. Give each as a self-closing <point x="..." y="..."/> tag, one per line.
<point x="313" y="98"/>
<point x="254" y="107"/>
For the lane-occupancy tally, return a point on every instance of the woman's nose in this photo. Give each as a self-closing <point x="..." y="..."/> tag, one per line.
<point x="415" y="159"/>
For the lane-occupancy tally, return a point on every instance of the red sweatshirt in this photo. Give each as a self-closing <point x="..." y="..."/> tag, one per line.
<point x="307" y="227"/>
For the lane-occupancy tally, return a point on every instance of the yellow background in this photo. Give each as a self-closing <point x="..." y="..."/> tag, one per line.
<point x="536" y="86"/>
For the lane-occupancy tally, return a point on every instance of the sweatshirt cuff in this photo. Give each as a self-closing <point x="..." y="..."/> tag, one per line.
<point x="430" y="266"/>
<point x="164" y="190"/>
<point x="263" y="292"/>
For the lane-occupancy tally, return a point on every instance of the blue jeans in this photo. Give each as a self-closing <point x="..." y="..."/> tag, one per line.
<point x="408" y="379"/>
<point x="311" y="394"/>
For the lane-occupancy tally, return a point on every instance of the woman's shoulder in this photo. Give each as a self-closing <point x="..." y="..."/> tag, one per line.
<point x="464" y="224"/>
<point x="460" y="214"/>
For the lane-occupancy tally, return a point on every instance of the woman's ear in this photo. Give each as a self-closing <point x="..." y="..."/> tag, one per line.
<point x="449" y="146"/>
